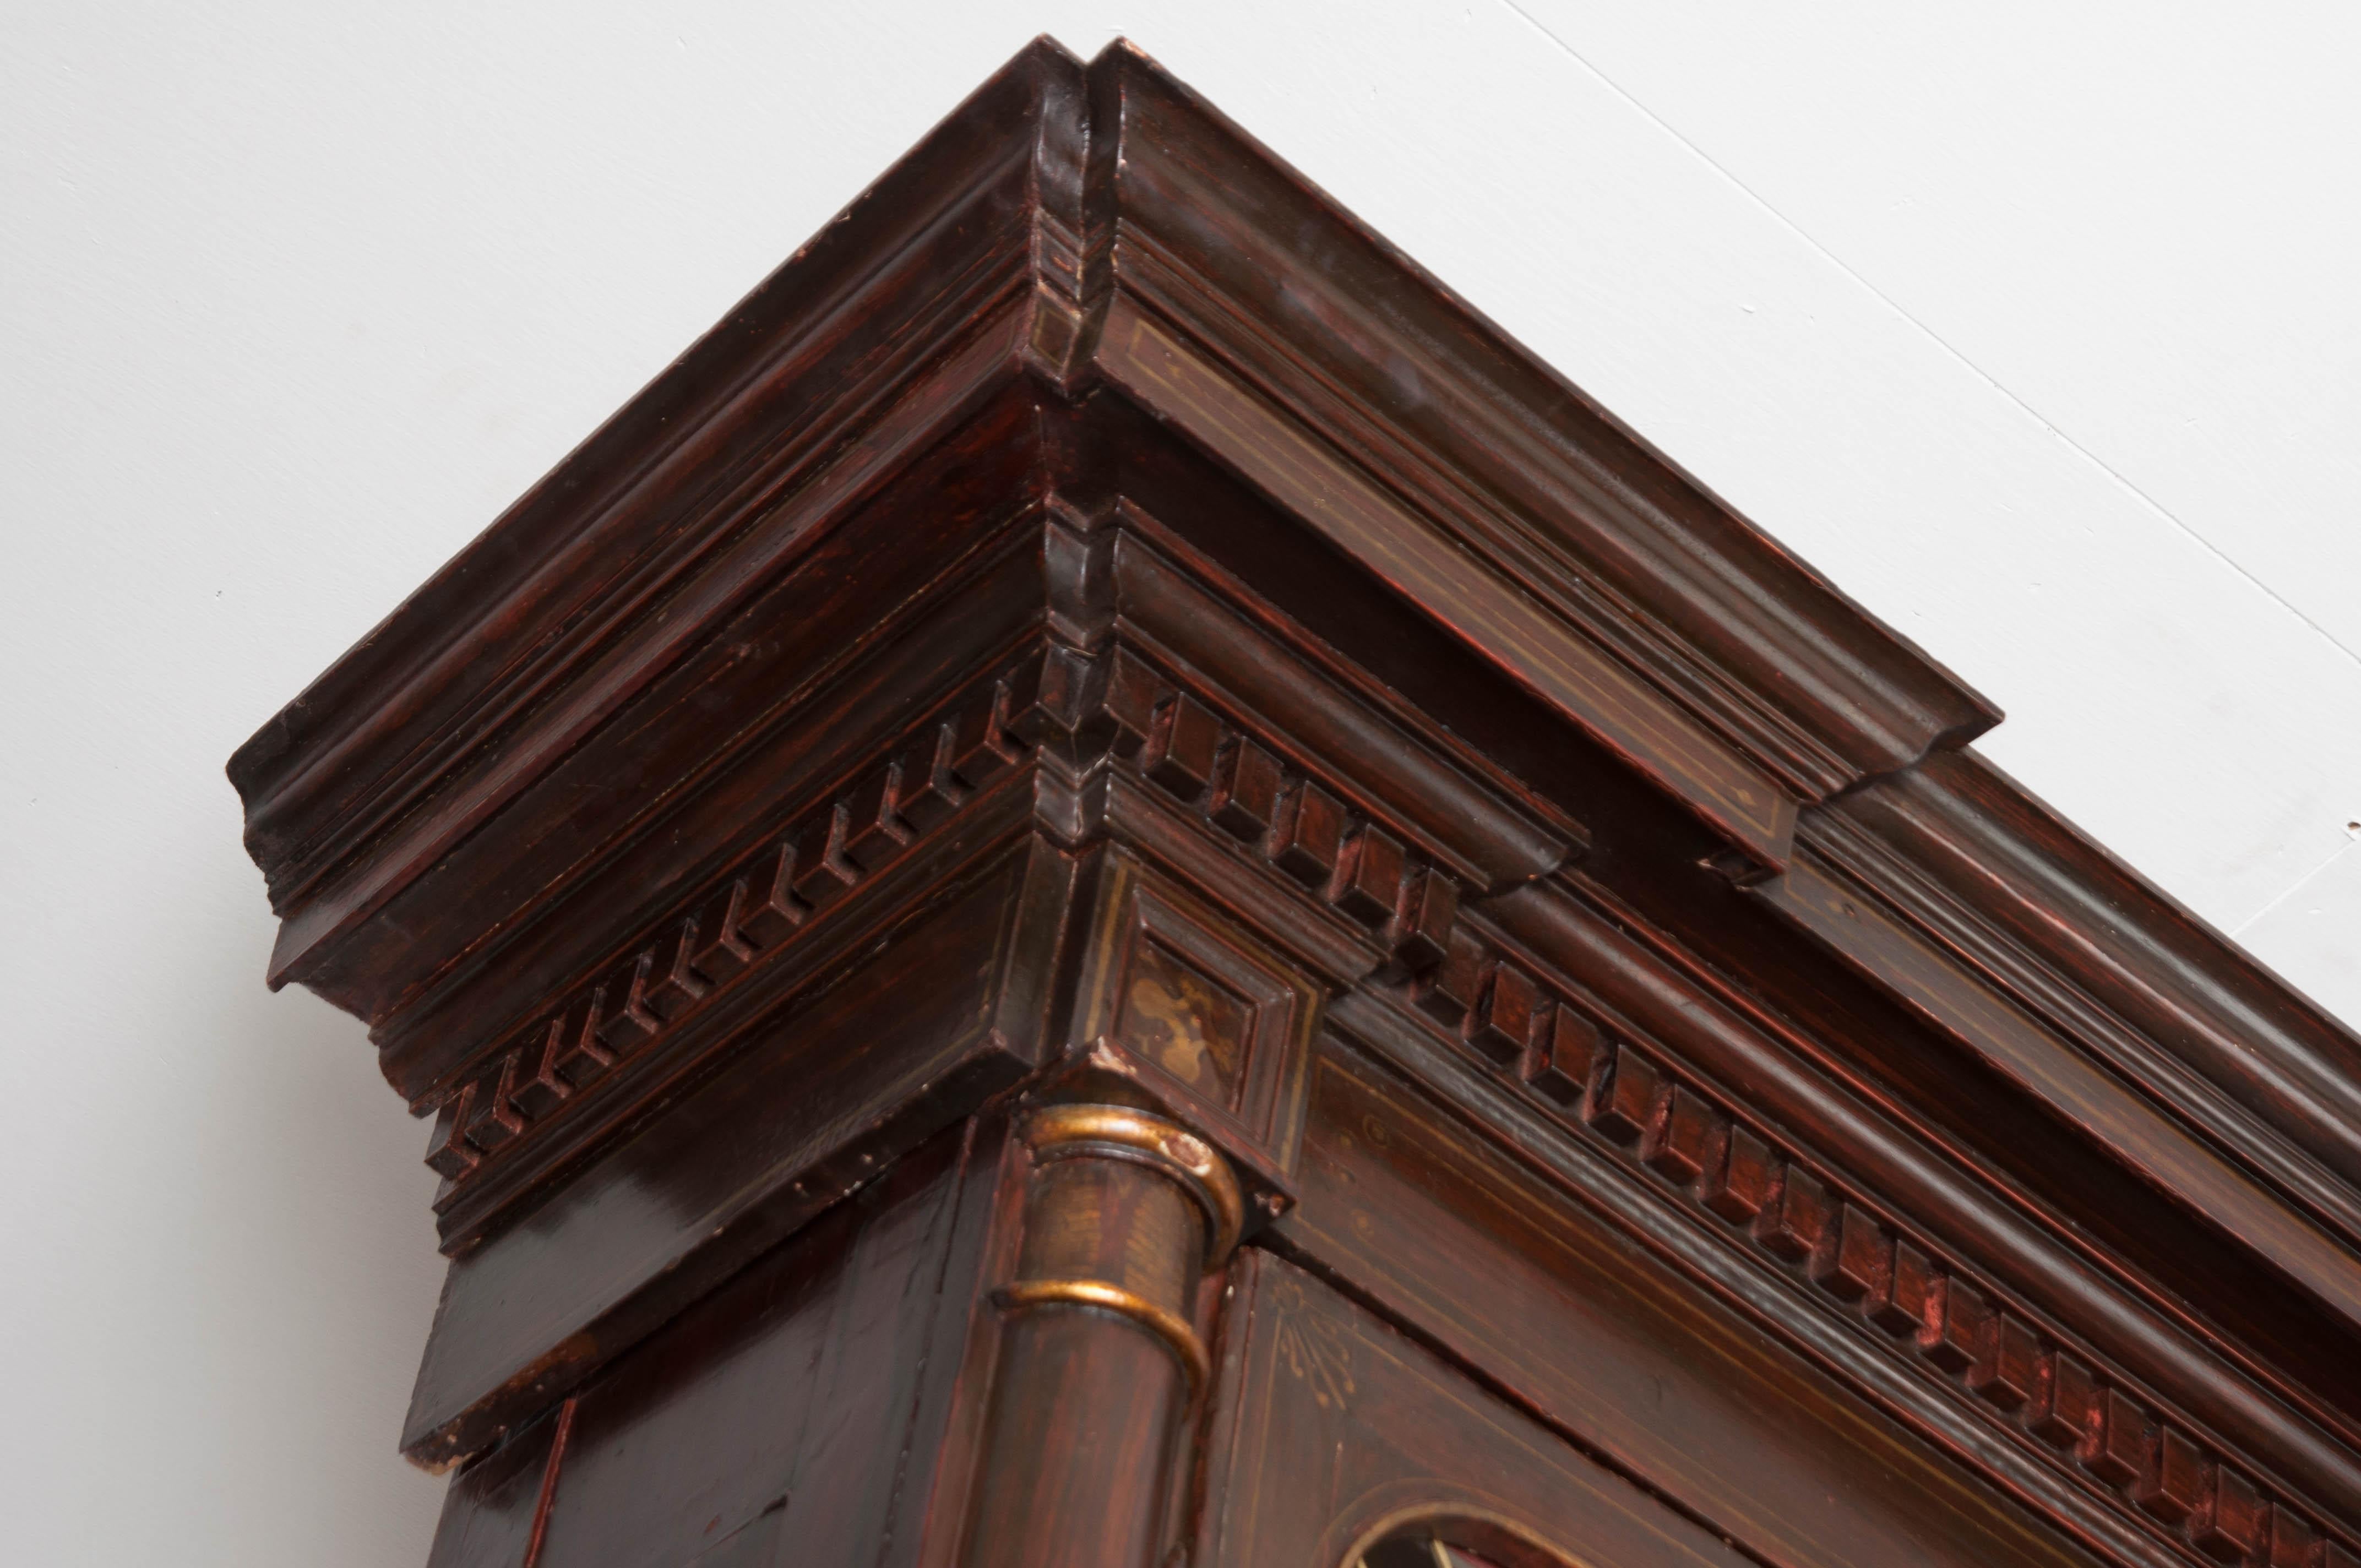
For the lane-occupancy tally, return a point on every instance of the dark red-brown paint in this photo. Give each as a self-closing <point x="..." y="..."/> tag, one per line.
<point x="1100" y="628"/>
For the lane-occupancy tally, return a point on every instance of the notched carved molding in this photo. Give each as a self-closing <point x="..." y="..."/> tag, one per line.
<point x="2014" y="1039"/>
<point x="2117" y="972"/>
<point x="1957" y="1331"/>
<point x="535" y="828"/>
<point x="1396" y="763"/>
<point x="1373" y="875"/>
<point x="1360" y="868"/>
<point x="746" y="917"/>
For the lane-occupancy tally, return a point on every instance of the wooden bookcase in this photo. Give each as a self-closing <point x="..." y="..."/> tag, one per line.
<point x="1107" y="887"/>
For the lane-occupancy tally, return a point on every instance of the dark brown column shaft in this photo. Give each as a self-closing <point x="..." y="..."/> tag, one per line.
<point x="1099" y="1357"/>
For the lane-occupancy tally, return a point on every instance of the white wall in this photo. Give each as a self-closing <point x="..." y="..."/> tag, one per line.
<point x="2034" y="331"/>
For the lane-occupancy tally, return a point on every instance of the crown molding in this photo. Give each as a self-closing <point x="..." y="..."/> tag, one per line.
<point x="2036" y="911"/>
<point x="1095" y="499"/>
<point x="1198" y="272"/>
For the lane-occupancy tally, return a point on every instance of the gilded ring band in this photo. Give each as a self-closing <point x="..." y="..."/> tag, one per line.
<point x="1170" y="1327"/>
<point x="1061" y="1132"/>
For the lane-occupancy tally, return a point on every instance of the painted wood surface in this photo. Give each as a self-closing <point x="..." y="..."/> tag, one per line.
<point x="295" y="302"/>
<point x="1101" y="716"/>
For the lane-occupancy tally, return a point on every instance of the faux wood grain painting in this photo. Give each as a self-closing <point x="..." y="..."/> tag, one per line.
<point x="1109" y="887"/>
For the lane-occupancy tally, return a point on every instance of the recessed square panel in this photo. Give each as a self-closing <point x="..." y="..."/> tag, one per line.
<point x="1205" y="1014"/>
<point x="1190" y="1025"/>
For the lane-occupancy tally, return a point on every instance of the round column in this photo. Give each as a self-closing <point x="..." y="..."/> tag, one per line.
<point x="1100" y="1358"/>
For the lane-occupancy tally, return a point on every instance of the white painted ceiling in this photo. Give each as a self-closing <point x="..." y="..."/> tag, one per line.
<point x="2030" y="325"/>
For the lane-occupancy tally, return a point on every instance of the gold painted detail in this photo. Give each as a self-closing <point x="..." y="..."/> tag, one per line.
<point x="1170" y="1327"/>
<point x="1118" y="1132"/>
<point x="1187" y="1027"/>
<point x="1313" y="1348"/>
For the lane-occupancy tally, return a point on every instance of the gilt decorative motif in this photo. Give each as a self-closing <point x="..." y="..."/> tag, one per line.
<point x="1313" y="1348"/>
<point x="1189" y="1027"/>
<point x="1299" y="827"/>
